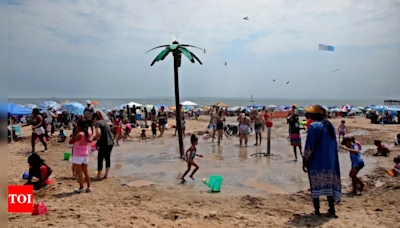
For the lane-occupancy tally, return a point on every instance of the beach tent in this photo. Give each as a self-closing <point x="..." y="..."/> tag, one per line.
<point x="220" y="104"/>
<point x="17" y="110"/>
<point x="30" y="106"/>
<point x="188" y="103"/>
<point x="137" y="105"/>
<point x="383" y="109"/>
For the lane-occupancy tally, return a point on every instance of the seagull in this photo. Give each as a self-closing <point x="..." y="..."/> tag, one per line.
<point x="274" y="80"/>
<point x="205" y="51"/>
<point x="287" y="82"/>
<point x="335" y="70"/>
<point x="226" y="63"/>
<point x="246" y="18"/>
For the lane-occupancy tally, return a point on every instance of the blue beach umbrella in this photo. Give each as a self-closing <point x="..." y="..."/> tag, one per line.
<point x="48" y="104"/>
<point x="166" y="108"/>
<point x="74" y="108"/>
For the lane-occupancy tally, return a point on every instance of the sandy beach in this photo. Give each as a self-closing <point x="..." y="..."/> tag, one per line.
<point x="112" y="203"/>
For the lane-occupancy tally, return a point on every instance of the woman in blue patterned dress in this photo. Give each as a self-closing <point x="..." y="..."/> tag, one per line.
<point x="320" y="159"/>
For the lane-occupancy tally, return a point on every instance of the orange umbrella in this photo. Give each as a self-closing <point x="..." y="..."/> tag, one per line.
<point x="172" y="108"/>
<point x="95" y="102"/>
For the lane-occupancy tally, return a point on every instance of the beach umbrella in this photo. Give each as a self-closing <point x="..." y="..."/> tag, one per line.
<point x="220" y="104"/>
<point x="166" y="108"/>
<point x="30" y="106"/>
<point x="65" y="102"/>
<point x="137" y="105"/>
<point x="271" y="106"/>
<point x="49" y="104"/>
<point x="95" y="102"/>
<point x="103" y="114"/>
<point x="172" y="108"/>
<point x="188" y="103"/>
<point x="120" y="107"/>
<point x="188" y="108"/>
<point x="74" y="108"/>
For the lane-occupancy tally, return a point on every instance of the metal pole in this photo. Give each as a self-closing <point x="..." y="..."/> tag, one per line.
<point x="269" y="142"/>
<point x="177" y="102"/>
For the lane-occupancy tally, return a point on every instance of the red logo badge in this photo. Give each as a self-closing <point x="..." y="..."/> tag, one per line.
<point x="20" y="198"/>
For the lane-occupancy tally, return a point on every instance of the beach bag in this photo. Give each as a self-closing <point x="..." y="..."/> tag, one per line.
<point x="166" y="126"/>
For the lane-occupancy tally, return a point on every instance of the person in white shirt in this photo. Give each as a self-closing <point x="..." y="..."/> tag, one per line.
<point x="50" y="119"/>
<point x="23" y="120"/>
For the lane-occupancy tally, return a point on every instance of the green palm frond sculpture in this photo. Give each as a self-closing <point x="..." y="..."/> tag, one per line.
<point x="177" y="50"/>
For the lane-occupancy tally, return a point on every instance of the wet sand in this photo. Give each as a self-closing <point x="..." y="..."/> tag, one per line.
<point x="256" y="191"/>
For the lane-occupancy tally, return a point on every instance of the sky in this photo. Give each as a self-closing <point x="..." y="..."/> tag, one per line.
<point x="91" y="48"/>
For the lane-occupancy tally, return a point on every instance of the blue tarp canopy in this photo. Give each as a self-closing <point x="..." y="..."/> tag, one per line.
<point x="17" y="110"/>
<point x="382" y="108"/>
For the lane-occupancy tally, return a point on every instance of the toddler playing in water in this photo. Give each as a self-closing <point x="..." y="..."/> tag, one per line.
<point x="191" y="153"/>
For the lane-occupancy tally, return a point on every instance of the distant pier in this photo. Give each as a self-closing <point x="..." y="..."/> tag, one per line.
<point x="391" y="102"/>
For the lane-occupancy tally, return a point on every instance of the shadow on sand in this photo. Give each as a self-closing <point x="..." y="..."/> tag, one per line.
<point x="309" y="220"/>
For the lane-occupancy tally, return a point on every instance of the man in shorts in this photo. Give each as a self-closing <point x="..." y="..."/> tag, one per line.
<point x="88" y="113"/>
<point x="259" y="125"/>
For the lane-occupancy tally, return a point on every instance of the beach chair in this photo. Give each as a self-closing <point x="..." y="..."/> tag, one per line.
<point x="18" y="133"/>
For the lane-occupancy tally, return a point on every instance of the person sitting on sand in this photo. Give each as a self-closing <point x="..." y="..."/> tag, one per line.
<point x="206" y="135"/>
<point x="397" y="140"/>
<point x="191" y="153"/>
<point x="357" y="163"/>
<point x="382" y="149"/>
<point x="61" y="136"/>
<point x="39" y="169"/>
<point x="231" y="130"/>
<point x="143" y="135"/>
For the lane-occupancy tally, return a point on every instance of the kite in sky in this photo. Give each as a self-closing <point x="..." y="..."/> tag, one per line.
<point x="287" y="82"/>
<point x="246" y="18"/>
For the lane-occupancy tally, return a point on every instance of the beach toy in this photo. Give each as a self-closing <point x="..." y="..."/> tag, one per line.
<point x="47" y="182"/>
<point x="93" y="146"/>
<point x="390" y="172"/>
<point x="25" y="175"/>
<point x="249" y="132"/>
<point x="209" y="126"/>
<point x="39" y="209"/>
<point x="215" y="183"/>
<point x="66" y="156"/>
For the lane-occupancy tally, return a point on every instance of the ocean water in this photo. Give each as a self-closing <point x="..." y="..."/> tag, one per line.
<point x="202" y="102"/>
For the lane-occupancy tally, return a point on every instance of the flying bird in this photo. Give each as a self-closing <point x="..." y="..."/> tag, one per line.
<point x="205" y="51"/>
<point x="287" y="82"/>
<point x="274" y="80"/>
<point x="335" y="70"/>
<point x="246" y="18"/>
<point x="226" y="63"/>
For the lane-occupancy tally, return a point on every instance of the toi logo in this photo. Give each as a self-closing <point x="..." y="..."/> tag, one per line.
<point x="20" y="199"/>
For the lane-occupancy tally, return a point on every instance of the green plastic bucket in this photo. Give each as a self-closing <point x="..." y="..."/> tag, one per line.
<point x="66" y="156"/>
<point x="215" y="183"/>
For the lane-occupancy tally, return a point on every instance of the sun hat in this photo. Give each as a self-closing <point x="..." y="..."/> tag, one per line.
<point x="315" y="109"/>
<point x="88" y="102"/>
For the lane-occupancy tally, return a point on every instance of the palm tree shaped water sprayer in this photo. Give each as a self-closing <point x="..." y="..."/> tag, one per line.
<point x="177" y="50"/>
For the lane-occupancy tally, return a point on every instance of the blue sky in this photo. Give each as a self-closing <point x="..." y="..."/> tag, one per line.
<point x="88" y="48"/>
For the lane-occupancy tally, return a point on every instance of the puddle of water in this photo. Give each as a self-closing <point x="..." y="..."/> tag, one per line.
<point x="158" y="161"/>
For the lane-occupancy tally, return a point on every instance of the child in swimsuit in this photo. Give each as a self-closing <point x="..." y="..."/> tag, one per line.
<point x="357" y="163"/>
<point x="143" y="135"/>
<point x="38" y="169"/>
<point x="342" y="130"/>
<point x="382" y="149"/>
<point x="191" y="153"/>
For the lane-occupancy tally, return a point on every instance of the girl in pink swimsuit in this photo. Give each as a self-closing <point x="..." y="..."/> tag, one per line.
<point x="80" y="158"/>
